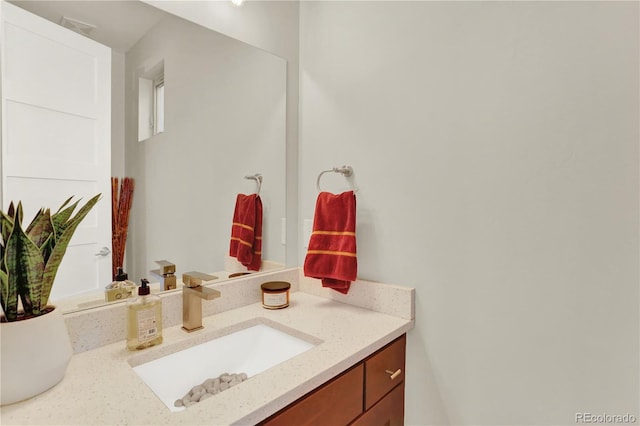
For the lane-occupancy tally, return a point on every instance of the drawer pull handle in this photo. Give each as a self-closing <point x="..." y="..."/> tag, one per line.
<point x="394" y="374"/>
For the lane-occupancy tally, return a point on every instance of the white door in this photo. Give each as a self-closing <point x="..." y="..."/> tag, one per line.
<point x="56" y="136"/>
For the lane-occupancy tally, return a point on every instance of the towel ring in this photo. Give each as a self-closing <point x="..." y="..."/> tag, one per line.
<point x="347" y="171"/>
<point x="258" y="178"/>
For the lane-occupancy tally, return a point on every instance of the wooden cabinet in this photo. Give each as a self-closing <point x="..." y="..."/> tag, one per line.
<point x="371" y="393"/>
<point x="384" y="370"/>
<point x="389" y="411"/>
<point x="337" y="402"/>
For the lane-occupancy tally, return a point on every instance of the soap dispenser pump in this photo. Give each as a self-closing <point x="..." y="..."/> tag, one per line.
<point x="144" y="319"/>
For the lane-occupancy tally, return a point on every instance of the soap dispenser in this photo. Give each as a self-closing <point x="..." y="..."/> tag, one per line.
<point x="144" y="319"/>
<point x="121" y="288"/>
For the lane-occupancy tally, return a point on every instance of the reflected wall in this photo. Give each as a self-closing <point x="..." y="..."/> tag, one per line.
<point x="225" y="118"/>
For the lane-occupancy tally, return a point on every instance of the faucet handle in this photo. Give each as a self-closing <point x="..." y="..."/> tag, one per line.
<point x="166" y="267"/>
<point x="194" y="278"/>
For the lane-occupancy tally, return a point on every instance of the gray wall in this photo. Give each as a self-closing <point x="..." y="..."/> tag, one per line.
<point x="496" y="149"/>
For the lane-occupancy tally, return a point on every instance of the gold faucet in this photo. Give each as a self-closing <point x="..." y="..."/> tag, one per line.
<point x="192" y="292"/>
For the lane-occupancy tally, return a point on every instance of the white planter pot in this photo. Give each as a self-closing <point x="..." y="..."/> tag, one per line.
<point x="35" y="354"/>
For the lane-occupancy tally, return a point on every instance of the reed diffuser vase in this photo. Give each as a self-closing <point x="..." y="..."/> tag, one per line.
<point x="121" y="200"/>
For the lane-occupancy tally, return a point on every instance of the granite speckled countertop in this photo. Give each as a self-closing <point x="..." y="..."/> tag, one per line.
<point x="101" y="388"/>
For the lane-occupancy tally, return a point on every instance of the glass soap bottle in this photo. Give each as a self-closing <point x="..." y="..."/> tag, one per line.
<point x="144" y="319"/>
<point x="121" y="288"/>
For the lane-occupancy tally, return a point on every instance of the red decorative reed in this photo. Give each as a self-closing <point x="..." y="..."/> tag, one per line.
<point x="120" y="208"/>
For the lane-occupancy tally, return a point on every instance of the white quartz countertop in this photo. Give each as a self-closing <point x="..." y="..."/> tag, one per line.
<point x="101" y="388"/>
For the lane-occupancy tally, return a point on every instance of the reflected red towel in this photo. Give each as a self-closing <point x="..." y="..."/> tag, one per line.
<point x="246" y="232"/>
<point x="331" y="255"/>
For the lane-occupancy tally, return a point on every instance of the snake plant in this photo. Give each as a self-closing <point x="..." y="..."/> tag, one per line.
<point x="29" y="258"/>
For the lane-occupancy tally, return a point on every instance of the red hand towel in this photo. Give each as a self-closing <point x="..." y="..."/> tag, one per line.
<point x="331" y="255"/>
<point x="246" y="232"/>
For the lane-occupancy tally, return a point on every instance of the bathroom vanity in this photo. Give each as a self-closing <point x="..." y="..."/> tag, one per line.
<point x="358" y="346"/>
<point x="368" y="393"/>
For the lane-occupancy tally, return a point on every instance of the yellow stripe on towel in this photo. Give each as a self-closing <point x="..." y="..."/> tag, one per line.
<point x="242" y="225"/>
<point x="348" y="233"/>
<point x="242" y="241"/>
<point x="335" y="253"/>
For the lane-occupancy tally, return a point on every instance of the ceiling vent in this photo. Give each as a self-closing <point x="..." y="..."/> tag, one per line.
<point x="77" y="26"/>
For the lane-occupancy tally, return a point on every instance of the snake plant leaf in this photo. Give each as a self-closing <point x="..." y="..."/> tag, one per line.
<point x="6" y="225"/>
<point x="11" y="212"/>
<point x="64" y="204"/>
<point x="47" y="247"/>
<point x="60" y="248"/>
<point x="34" y="221"/>
<point x="4" y="238"/>
<point x="60" y="218"/>
<point x="4" y="289"/>
<point x="17" y="215"/>
<point x="40" y="228"/>
<point x="25" y="268"/>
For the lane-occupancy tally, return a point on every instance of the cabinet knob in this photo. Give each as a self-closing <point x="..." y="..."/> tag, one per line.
<point x="393" y="374"/>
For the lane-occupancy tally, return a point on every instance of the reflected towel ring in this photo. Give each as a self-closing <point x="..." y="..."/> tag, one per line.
<point x="347" y="171"/>
<point x="258" y="178"/>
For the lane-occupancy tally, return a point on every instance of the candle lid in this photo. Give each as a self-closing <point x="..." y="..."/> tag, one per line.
<point x="276" y="286"/>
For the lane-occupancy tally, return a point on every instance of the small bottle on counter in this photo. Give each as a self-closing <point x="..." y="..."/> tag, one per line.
<point x="144" y="319"/>
<point x="121" y="288"/>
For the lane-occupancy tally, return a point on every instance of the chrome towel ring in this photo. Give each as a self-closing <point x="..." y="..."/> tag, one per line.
<point x="347" y="171"/>
<point x="258" y="178"/>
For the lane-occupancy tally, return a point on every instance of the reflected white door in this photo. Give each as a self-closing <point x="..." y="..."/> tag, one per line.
<point x="56" y="136"/>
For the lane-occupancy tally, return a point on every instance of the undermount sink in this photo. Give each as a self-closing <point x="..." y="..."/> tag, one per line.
<point x="250" y="350"/>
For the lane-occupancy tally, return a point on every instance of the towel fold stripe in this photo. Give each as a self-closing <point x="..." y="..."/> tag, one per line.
<point x="242" y="225"/>
<point x="241" y="241"/>
<point x="332" y="252"/>
<point x="347" y="233"/>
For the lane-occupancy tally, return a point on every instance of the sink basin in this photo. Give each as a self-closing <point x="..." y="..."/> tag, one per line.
<point x="251" y="350"/>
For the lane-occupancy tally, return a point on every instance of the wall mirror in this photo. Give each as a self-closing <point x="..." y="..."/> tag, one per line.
<point x="224" y="119"/>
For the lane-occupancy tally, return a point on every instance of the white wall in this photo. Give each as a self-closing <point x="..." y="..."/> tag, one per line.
<point x="224" y="119"/>
<point x="495" y="145"/>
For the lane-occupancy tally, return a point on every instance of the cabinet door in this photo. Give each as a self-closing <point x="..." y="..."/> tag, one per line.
<point x="383" y="371"/>
<point x="389" y="411"/>
<point x="335" y="403"/>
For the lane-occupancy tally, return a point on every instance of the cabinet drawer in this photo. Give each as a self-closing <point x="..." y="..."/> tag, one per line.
<point x="383" y="371"/>
<point x="335" y="403"/>
<point x="389" y="411"/>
